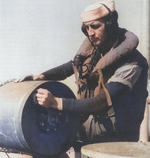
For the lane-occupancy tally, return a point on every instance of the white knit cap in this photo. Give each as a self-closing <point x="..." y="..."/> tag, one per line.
<point x="97" y="10"/>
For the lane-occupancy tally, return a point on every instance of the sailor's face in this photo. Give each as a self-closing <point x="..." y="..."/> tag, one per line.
<point x="96" y="31"/>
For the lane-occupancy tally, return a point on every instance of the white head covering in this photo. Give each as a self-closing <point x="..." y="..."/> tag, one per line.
<point x="97" y="10"/>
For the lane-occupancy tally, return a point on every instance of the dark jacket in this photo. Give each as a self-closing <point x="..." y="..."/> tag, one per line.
<point x="128" y="103"/>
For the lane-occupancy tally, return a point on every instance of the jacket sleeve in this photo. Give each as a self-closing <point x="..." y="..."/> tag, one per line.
<point x="59" y="73"/>
<point x="95" y="104"/>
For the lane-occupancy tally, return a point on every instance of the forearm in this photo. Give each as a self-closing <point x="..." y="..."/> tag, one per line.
<point x="59" y="73"/>
<point x="96" y="104"/>
<point x="89" y="106"/>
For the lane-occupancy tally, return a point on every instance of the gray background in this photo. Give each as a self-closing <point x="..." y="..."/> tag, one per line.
<point x="36" y="35"/>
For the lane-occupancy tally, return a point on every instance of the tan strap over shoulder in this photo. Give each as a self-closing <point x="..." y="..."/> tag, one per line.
<point x="101" y="82"/>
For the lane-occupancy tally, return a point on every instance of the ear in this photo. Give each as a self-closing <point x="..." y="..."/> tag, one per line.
<point x="84" y="29"/>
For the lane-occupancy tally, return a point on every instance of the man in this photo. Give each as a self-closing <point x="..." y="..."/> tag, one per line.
<point x="111" y="75"/>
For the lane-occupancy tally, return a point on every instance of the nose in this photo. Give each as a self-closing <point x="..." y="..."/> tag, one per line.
<point x="90" y="31"/>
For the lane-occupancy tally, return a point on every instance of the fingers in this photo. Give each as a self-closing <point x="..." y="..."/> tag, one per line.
<point x="43" y="91"/>
<point x="41" y="101"/>
<point x="30" y="78"/>
<point x="18" y="80"/>
<point x="35" y="77"/>
<point x="38" y="77"/>
<point x="44" y="97"/>
<point x="25" y="78"/>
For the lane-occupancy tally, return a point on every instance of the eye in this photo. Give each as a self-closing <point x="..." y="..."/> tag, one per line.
<point x="87" y="27"/>
<point x="95" y="26"/>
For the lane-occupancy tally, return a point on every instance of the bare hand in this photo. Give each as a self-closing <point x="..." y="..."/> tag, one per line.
<point x="24" y="78"/>
<point x="30" y="78"/>
<point x="47" y="100"/>
<point x="38" y="77"/>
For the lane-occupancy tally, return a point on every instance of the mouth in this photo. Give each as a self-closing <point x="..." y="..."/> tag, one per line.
<point x="94" y="39"/>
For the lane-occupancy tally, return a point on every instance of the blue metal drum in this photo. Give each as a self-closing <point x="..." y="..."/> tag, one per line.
<point x="28" y="127"/>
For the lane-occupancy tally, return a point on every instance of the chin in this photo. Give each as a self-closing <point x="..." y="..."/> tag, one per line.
<point x="97" y="43"/>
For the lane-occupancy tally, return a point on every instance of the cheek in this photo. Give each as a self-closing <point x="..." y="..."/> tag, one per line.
<point x="101" y="32"/>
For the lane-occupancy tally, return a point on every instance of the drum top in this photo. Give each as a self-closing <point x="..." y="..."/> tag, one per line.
<point x="117" y="149"/>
